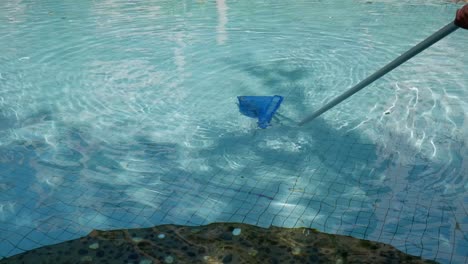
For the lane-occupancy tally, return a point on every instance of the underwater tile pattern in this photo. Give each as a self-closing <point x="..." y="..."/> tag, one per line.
<point x="121" y="114"/>
<point x="337" y="191"/>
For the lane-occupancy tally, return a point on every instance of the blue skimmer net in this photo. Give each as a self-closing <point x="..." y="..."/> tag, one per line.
<point x="261" y="107"/>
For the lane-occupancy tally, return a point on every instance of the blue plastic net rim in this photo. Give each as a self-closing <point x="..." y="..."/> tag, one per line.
<point x="261" y="107"/>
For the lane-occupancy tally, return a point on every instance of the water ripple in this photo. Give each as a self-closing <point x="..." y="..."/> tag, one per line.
<point x="112" y="109"/>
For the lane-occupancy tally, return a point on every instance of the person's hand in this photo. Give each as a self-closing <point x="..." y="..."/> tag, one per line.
<point x="461" y="19"/>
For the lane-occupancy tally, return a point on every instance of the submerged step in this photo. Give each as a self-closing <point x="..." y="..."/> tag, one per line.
<point x="215" y="243"/>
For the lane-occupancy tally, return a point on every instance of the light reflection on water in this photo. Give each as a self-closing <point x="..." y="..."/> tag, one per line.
<point x="123" y="114"/>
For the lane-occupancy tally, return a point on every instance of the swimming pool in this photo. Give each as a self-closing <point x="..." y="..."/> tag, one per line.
<point x="122" y="114"/>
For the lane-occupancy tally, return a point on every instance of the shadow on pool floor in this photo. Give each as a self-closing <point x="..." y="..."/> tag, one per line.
<point x="215" y="243"/>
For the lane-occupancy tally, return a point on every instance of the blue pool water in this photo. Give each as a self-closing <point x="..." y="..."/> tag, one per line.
<point x="119" y="114"/>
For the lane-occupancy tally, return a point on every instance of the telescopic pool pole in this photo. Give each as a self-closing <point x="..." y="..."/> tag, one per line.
<point x="461" y="20"/>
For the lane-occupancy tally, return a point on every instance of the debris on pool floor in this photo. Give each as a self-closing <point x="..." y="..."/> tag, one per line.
<point x="215" y="243"/>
